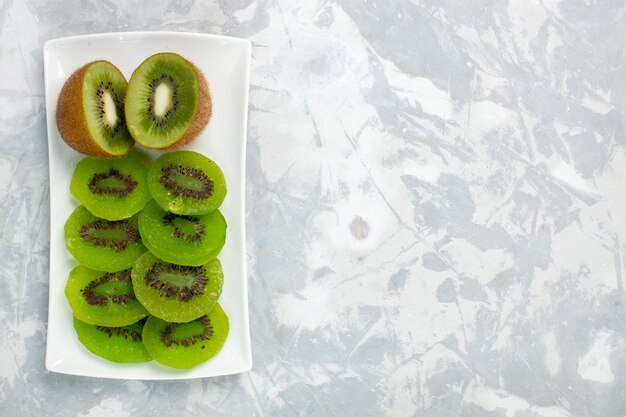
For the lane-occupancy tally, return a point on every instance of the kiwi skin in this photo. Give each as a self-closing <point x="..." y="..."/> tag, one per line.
<point x="203" y="113"/>
<point x="71" y="119"/>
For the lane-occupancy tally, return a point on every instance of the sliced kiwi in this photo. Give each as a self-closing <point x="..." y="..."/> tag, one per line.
<point x="168" y="102"/>
<point x="185" y="345"/>
<point x="176" y="293"/>
<point x="180" y="239"/>
<point x="90" y="111"/>
<point x="100" y="244"/>
<point x="112" y="189"/>
<point x="118" y="344"/>
<point x="186" y="182"/>
<point x="103" y="298"/>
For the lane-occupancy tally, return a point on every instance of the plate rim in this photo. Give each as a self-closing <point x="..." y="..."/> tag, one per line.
<point x="47" y="44"/>
<point x="247" y="363"/>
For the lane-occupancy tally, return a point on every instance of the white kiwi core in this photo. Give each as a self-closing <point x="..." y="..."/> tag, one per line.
<point x="110" y="112"/>
<point x="162" y="99"/>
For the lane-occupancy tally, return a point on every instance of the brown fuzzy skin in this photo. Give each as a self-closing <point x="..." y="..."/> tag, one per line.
<point x="71" y="119"/>
<point x="205" y="110"/>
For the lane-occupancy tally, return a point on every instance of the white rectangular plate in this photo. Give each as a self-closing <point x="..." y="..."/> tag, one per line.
<point x="225" y="62"/>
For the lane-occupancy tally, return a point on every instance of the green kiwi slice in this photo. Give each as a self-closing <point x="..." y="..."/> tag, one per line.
<point x="103" y="298"/>
<point x="100" y="244"/>
<point x="113" y="189"/>
<point x="168" y="102"/>
<point x="90" y="111"/>
<point x="117" y="344"/>
<point x="176" y="293"/>
<point x="185" y="345"/>
<point x="186" y="182"/>
<point x="181" y="239"/>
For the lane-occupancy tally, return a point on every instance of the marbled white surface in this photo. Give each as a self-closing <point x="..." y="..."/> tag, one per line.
<point x="436" y="209"/>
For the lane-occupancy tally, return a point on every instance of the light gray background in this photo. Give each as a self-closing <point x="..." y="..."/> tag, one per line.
<point x="436" y="209"/>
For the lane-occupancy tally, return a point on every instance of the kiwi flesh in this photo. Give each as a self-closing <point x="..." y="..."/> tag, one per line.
<point x="186" y="182"/>
<point x="185" y="345"/>
<point x="112" y="189"/>
<point x="181" y="239"/>
<point x="103" y="298"/>
<point x="100" y="244"/>
<point x="168" y="102"/>
<point x="118" y="344"/>
<point x="90" y="111"/>
<point x="176" y="293"/>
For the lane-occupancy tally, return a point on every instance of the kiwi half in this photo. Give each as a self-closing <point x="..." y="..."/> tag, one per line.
<point x="180" y="239"/>
<point x="118" y="344"/>
<point x="112" y="189"/>
<point x="186" y="182"/>
<point x="103" y="298"/>
<point x="185" y="345"/>
<point x="168" y="102"/>
<point x="90" y="111"/>
<point x="176" y="293"/>
<point x="100" y="244"/>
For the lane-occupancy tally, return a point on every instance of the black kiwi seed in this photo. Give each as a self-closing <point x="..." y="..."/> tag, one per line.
<point x="168" y="182"/>
<point x="129" y="183"/>
<point x="199" y="227"/>
<point x="168" y="290"/>
<point x="118" y="331"/>
<point x="118" y="245"/>
<point x="93" y="299"/>
<point x="207" y="334"/>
